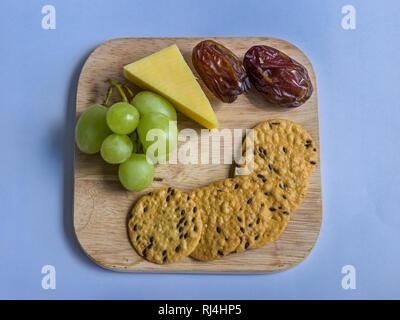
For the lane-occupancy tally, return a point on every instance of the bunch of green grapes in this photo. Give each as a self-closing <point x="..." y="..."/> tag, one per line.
<point x="134" y="135"/>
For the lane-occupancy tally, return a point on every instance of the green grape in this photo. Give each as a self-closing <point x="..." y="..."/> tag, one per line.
<point x="136" y="173"/>
<point x="122" y="118"/>
<point x="91" y="129"/>
<point x="116" y="148"/>
<point x="147" y="101"/>
<point x="158" y="135"/>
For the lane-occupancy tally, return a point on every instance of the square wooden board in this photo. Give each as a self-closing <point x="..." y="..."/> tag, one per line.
<point x="101" y="204"/>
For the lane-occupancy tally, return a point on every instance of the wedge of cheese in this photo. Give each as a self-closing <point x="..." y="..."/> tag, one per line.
<point x="167" y="73"/>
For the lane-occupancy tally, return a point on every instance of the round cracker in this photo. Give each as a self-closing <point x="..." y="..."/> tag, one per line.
<point x="223" y="223"/>
<point x="251" y="203"/>
<point x="281" y="146"/>
<point x="165" y="226"/>
<point x="266" y="200"/>
<point x="282" y="198"/>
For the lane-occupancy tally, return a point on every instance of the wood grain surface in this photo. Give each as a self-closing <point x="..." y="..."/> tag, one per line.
<point x="101" y="204"/>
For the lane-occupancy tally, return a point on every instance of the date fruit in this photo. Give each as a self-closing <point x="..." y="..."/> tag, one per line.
<point x="222" y="72"/>
<point x="282" y="80"/>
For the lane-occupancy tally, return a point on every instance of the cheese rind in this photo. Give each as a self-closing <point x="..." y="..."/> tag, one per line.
<point x="167" y="73"/>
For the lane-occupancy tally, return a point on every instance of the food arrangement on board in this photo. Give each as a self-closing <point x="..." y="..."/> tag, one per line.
<point x="227" y="216"/>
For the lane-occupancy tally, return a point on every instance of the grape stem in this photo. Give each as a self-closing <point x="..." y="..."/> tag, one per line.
<point x="119" y="88"/>
<point x="130" y="93"/>
<point x="109" y="92"/>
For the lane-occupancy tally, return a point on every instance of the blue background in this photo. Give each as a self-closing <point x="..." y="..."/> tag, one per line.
<point x="357" y="72"/>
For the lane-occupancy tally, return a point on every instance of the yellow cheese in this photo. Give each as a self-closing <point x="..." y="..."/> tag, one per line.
<point x="167" y="73"/>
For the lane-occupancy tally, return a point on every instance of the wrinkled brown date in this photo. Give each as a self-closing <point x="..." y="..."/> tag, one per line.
<point x="222" y="72"/>
<point x="284" y="81"/>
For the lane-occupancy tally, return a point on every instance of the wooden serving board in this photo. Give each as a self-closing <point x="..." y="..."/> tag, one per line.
<point x="101" y="204"/>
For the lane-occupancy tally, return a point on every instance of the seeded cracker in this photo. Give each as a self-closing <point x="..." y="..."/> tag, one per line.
<point x="286" y="149"/>
<point x="222" y="220"/>
<point x="283" y="147"/>
<point x="244" y="212"/>
<point x="266" y="202"/>
<point x="165" y="226"/>
<point x="251" y="202"/>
